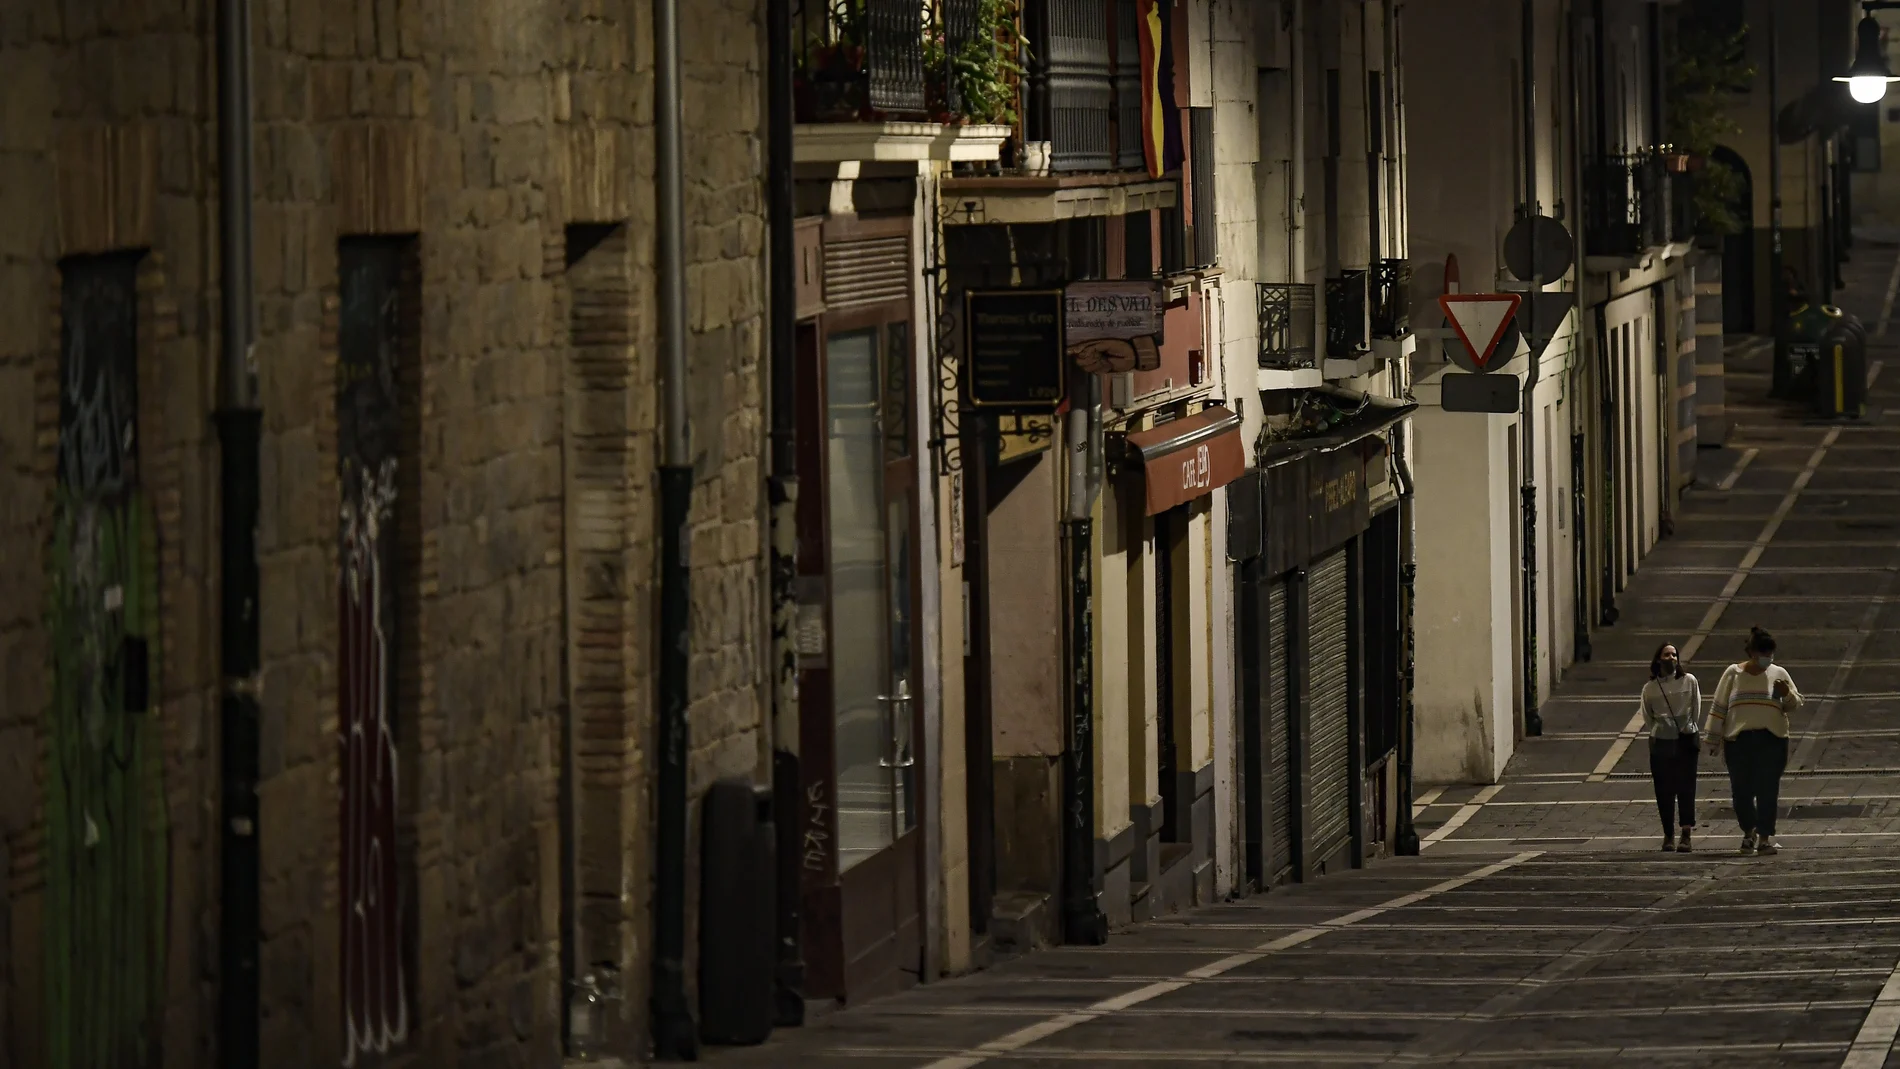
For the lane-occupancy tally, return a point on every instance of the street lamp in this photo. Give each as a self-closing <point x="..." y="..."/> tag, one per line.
<point x="1867" y="79"/>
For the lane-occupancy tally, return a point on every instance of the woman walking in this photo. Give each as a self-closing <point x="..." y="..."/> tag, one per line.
<point x="1672" y="717"/>
<point x="1748" y="722"/>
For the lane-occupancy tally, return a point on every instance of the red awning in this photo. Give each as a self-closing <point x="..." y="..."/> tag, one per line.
<point x="1189" y="457"/>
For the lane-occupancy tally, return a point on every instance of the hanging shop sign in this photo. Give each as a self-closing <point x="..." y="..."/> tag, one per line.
<point x="1315" y="504"/>
<point x="1015" y="340"/>
<point x="1189" y="457"/>
<point x="1115" y="326"/>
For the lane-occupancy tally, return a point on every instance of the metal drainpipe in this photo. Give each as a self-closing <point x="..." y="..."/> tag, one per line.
<point x="1405" y="841"/>
<point x="674" y="1034"/>
<point x="1777" y="293"/>
<point x="1083" y="922"/>
<point x="1296" y="185"/>
<point x="1533" y="721"/>
<point x="782" y="498"/>
<point x="240" y="423"/>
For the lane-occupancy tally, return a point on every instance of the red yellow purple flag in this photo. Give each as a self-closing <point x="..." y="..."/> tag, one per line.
<point x="1149" y="16"/>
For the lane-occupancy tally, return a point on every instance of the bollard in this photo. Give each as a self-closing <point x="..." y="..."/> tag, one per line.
<point x="1840" y="375"/>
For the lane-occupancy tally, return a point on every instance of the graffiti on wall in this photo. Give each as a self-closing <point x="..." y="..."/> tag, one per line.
<point x="375" y="998"/>
<point x="107" y="845"/>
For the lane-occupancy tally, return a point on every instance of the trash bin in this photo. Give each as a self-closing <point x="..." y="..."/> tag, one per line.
<point x="1840" y="373"/>
<point x="1798" y="346"/>
<point x="738" y="938"/>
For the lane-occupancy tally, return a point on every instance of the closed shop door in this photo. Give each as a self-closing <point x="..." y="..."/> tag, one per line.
<point x="1330" y="815"/>
<point x="1279" y="736"/>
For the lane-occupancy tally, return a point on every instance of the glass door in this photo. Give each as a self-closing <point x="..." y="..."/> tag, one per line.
<point x="869" y="490"/>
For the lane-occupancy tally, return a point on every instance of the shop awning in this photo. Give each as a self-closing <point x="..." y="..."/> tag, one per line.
<point x="1189" y="457"/>
<point x="1367" y="415"/>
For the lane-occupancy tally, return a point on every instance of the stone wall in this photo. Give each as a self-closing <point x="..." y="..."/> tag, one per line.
<point x="491" y="141"/>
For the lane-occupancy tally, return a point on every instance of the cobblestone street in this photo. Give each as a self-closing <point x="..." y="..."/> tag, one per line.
<point x="1541" y="925"/>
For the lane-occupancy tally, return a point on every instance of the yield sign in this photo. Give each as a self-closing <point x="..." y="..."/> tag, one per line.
<point x="1480" y="320"/>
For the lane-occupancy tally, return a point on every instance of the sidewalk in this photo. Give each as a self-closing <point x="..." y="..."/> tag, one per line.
<point x="1541" y="926"/>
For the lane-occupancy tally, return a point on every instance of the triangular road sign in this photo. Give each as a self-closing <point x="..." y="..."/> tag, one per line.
<point x="1480" y="320"/>
<point x="1546" y="310"/>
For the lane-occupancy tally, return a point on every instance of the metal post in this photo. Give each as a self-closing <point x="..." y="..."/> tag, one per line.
<point x="1777" y="295"/>
<point x="782" y="499"/>
<point x="240" y="425"/>
<point x="674" y="1033"/>
<point x="1533" y="721"/>
<point x="1082" y="919"/>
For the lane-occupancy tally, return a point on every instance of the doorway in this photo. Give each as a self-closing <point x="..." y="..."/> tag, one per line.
<point x="859" y="726"/>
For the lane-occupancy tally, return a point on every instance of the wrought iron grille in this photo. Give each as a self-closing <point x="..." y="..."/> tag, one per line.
<point x="1391" y="298"/>
<point x="1286" y="311"/>
<point x="958" y="20"/>
<point x="1129" y="152"/>
<point x="1070" y="84"/>
<point x="1653" y="190"/>
<point x="1613" y="206"/>
<point x="1348" y="319"/>
<point x="857" y="56"/>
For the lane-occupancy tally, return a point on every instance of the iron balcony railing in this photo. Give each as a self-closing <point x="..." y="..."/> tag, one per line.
<point x="1391" y="298"/>
<point x="1082" y="83"/>
<point x="1627" y="203"/>
<point x="1684" y="219"/>
<point x="1348" y="316"/>
<point x="871" y="59"/>
<point x="1286" y="325"/>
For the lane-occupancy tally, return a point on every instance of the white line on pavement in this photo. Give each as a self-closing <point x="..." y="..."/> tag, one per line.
<point x="1728" y="481"/>
<point x="1886" y="306"/>
<point x="1688" y="649"/>
<point x="1838" y="799"/>
<point x="1423" y="800"/>
<point x="1877" y="1032"/>
<point x="1457" y="820"/>
<point x="1042" y="1030"/>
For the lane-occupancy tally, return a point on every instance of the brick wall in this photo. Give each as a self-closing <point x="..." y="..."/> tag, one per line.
<point x="483" y="130"/>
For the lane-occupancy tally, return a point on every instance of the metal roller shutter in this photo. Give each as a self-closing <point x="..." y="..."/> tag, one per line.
<point x="1330" y="816"/>
<point x="1279" y="780"/>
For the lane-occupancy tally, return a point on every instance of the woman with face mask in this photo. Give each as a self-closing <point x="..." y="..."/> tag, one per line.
<point x="1748" y="724"/>
<point x="1672" y="716"/>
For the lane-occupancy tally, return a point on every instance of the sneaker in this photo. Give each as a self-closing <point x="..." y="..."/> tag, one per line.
<point x="1748" y="845"/>
<point x="1682" y="844"/>
<point x="1768" y="845"/>
<point x="1669" y="842"/>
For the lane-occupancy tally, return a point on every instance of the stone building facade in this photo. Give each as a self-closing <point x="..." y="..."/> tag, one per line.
<point x="455" y="337"/>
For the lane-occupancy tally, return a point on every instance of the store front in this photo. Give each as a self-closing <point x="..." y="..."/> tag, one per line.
<point x="858" y="637"/>
<point x="1318" y="683"/>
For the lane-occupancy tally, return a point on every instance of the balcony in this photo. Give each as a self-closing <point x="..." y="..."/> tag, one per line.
<point x="896" y="60"/>
<point x="1391" y="299"/>
<point x="1627" y="202"/>
<point x="1082" y="91"/>
<point x="1348" y="316"/>
<point x="1286" y="326"/>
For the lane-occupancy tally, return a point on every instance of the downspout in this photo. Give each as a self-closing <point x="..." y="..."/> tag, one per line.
<point x="1296" y="182"/>
<point x="1533" y="720"/>
<point x="1777" y="293"/>
<point x="1405" y="841"/>
<point x="240" y="423"/>
<point x="782" y="499"/>
<point x="674" y="1034"/>
<point x="1083" y="922"/>
<point x="1606" y="403"/>
<point x="1579" y="480"/>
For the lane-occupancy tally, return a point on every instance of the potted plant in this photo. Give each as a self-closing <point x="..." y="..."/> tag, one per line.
<point x="829" y="86"/>
<point x="984" y="70"/>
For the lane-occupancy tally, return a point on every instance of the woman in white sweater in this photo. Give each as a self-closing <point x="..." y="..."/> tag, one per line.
<point x="1672" y="718"/>
<point x="1748" y="724"/>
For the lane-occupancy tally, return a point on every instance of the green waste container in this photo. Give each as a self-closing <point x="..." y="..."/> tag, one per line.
<point x="1840" y="371"/>
<point x="1798" y="348"/>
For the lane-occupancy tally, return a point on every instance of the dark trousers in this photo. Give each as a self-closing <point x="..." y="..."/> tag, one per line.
<point x="1672" y="768"/>
<point x="1756" y="760"/>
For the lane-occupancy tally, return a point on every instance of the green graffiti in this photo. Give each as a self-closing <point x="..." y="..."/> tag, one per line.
<point x="106" y="831"/>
